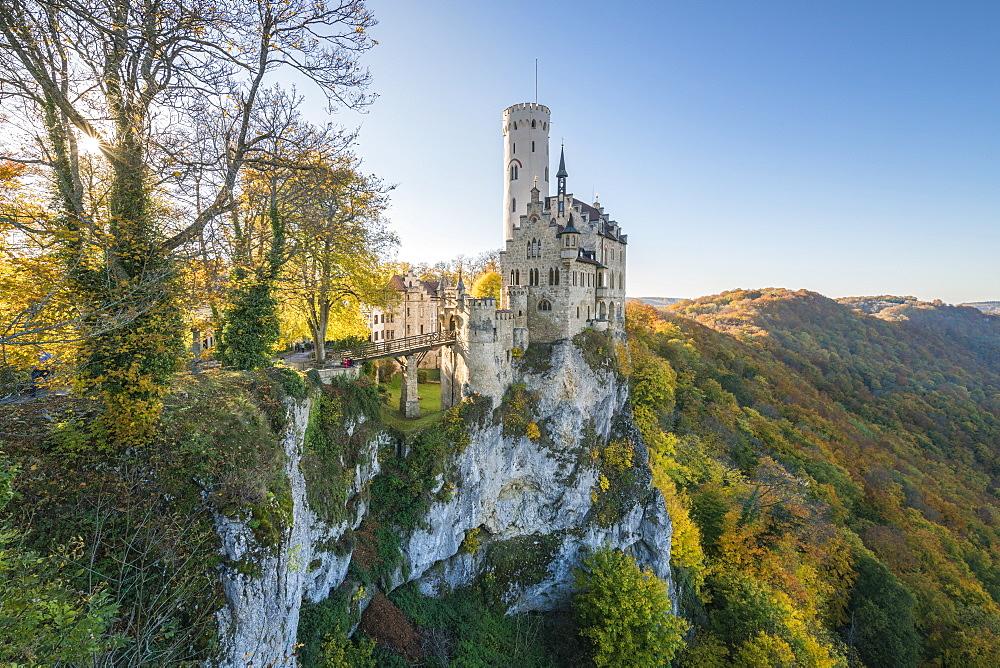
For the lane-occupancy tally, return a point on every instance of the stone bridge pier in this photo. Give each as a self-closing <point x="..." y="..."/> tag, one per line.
<point x="409" y="399"/>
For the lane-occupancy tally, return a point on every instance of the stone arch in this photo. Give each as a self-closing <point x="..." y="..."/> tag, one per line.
<point x="603" y="313"/>
<point x="544" y="305"/>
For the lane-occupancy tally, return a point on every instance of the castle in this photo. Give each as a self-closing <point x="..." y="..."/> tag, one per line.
<point x="563" y="269"/>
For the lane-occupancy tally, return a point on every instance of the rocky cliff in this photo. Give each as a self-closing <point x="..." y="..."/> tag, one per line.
<point x="553" y="470"/>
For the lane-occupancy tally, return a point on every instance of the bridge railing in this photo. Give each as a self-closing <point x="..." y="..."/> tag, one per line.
<point x="393" y="347"/>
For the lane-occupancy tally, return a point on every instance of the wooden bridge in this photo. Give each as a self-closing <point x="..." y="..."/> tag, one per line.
<point x="408" y="345"/>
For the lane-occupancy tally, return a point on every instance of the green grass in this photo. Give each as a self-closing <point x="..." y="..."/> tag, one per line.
<point x="430" y="406"/>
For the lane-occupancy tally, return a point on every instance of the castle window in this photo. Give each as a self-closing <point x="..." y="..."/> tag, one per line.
<point x="513" y="147"/>
<point x="545" y="305"/>
<point x="612" y="277"/>
<point x="513" y="172"/>
<point x="555" y="272"/>
<point x="577" y="312"/>
<point x="532" y="147"/>
<point x="532" y="126"/>
<point x="545" y="126"/>
<point x="546" y="174"/>
<point x="517" y="277"/>
<point x="513" y="204"/>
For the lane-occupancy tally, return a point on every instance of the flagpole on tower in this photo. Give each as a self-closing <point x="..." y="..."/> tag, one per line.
<point x="536" y="80"/>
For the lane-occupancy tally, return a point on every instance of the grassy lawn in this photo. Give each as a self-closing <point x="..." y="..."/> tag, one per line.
<point x="430" y="406"/>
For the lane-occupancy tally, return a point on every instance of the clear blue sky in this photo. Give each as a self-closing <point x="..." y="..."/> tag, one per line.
<point x="848" y="147"/>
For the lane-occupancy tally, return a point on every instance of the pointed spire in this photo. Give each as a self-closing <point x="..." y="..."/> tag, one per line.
<point x="562" y="173"/>
<point x="569" y="229"/>
<point x="461" y="284"/>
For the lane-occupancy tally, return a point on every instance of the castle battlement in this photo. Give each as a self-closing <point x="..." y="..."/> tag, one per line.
<point x="526" y="106"/>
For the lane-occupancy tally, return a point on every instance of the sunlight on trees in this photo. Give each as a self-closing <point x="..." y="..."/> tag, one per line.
<point x="625" y="611"/>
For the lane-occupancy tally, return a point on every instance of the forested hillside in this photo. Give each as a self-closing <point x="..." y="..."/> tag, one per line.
<point x="832" y="473"/>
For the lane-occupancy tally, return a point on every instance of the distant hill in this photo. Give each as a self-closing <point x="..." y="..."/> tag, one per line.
<point x="985" y="307"/>
<point x="659" y="301"/>
<point x="840" y="458"/>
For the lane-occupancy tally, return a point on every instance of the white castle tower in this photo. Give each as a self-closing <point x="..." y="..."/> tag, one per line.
<point x="526" y="157"/>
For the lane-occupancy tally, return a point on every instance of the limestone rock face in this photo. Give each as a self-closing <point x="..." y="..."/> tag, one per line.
<point x="535" y="496"/>
<point x="257" y="626"/>
<point x="533" y="505"/>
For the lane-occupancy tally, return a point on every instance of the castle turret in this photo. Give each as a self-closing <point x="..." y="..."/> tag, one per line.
<point x="525" y="156"/>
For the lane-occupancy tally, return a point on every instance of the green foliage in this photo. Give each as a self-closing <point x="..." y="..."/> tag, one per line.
<point x="618" y="484"/>
<point x="536" y="359"/>
<point x="322" y="636"/>
<point x="516" y="411"/>
<point x="135" y="530"/>
<point x="339" y="651"/>
<point x="44" y="619"/>
<point x="464" y="631"/>
<point x="250" y="328"/>
<point x="130" y="368"/>
<point x="343" y="419"/>
<point x="881" y="626"/>
<point x="514" y="564"/>
<point x="625" y="611"/>
<point x="597" y="348"/>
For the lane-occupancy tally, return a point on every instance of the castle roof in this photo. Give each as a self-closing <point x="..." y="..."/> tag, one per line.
<point x="569" y="229"/>
<point x="562" y="173"/>
<point x="398" y="283"/>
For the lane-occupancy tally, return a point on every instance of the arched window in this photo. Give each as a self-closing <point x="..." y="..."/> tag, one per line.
<point x="603" y="312"/>
<point x="556" y="272"/>
<point x="544" y="305"/>
<point x="532" y="125"/>
<point x="532" y="146"/>
<point x="512" y="277"/>
<point x="612" y="277"/>
<point x="513" y="172"/>
<point x="527" y="249"/>
<point x="577" y="312"/>
<point x="513" y="202"/>
<point x="545" y="126"/>
<point x="517" y="277"/>
<point x="513" y="147"/>
<point x="552" y="277"/>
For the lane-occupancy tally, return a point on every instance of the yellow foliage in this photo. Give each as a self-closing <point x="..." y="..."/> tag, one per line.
<point x="532" y="431"/>
<point x="487" y="285"/>
<point x="618" y="454"/>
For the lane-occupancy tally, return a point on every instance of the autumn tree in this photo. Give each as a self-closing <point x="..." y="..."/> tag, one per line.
<point x="488" y="284"/>
<point x="178" y="96"/>
<point x="340" y="248"/>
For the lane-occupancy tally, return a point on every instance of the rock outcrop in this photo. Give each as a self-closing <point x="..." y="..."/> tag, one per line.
<point x="523" y="509"/>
